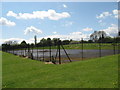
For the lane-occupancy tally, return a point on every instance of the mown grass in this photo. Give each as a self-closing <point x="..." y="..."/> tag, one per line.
<point x="86" y="46"/>
<point x="20" y="72"/>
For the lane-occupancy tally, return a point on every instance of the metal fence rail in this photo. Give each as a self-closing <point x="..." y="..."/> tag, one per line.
<point x="60" y="55"/>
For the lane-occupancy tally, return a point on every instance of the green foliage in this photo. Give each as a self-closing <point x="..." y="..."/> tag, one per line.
<point x="65" y="42"/>
<point x="26" y="73"/>
<point x="68" y="44"/>
<point x="106" y="40"/>
<point x="23" y="42"/>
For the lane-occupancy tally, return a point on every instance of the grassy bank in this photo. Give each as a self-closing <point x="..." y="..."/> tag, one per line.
<point x="25" y="73"/>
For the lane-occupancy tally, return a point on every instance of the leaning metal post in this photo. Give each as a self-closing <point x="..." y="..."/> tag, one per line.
<point x="66" y="53"/>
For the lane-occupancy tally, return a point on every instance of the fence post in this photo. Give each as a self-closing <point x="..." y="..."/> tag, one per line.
<point x="12" y="50"/>
<point x="43" y="52"/>
<point x="21" y="50"/>
<point x="32" y="52"/>
<point x="37" y="51"/>
<point x="114" y="42"/>
<point x="56" y="52"/>
<point x="50" y="48"/>
<point x="82" y="47"/>
<point x="59" y="51"/>
<point x="28" y="50"/>
<point x="99" y="48"/>
<point x="25" y="51"/>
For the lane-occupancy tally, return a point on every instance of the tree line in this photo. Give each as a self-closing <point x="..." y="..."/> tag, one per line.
<point x="9" y="45"/>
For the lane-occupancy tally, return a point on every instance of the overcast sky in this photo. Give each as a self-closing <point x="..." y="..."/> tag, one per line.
<point x="65" y="20"/>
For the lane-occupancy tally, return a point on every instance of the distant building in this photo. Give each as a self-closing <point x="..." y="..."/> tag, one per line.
<point x="97" y="34"/>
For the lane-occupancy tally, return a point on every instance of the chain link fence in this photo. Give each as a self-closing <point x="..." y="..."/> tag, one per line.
<point x="60" y="53"/>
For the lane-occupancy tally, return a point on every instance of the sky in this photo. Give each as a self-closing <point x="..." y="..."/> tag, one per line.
<point x="65" y="20"/>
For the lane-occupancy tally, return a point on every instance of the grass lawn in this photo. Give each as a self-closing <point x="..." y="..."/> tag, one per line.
<point x="20" y="72"/>
<point x="90" y="46"/>
<point x="86" y="46"/>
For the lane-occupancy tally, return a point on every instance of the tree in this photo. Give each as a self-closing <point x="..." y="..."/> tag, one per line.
<point x="23" y="42"/>
<point x="43" y="42"/>
<point x="118" y="39"/>
<point x="74" y="42"/>
<point x="11" y="42"/>
<point x="65" y="42"/>
<point x="55" y="40"/>
<point x="90" y="41"/>
<point x="106" y="40"/>
<point x="49" y="41"/>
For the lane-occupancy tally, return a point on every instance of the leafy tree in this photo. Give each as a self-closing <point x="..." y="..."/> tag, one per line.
<point x="43" y="42"/>
<point x="106" y="40"/>
<point x="23" y="43"/>
<point x="65" y="42"/>
<point x="118" y="39"/>
<point x="55" y="40"/>
<point x="90" y="41"/>
<point x="49" y="42"/>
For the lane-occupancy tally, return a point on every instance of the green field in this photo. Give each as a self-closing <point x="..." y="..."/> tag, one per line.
<point x="20" y="72"/>
<point x="87" y="46"/>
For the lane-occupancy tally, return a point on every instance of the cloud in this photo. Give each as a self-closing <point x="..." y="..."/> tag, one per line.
<point x="112" y="30"/>
<point x="74" y="36"/>
<point x="19" y="40"/>
<point x="115" y="13"/>
<point x="103" y="15"/>
<point x="54" y="32"/>
<point x="32" y="29"/>
<point x="4" y="21"/>
<point x="87" y="29"/>
<point x="68" y="23"/>
<point x="100" y="21"/>
<point x="12" y="39"/>
<point x="118" y="0"/>
<point x="65" y="6"/>
<point x="50" y="14"/>
<point x="11" y="13"/>
<point x="76" y="33"/>
<point x="106" y="14"/>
